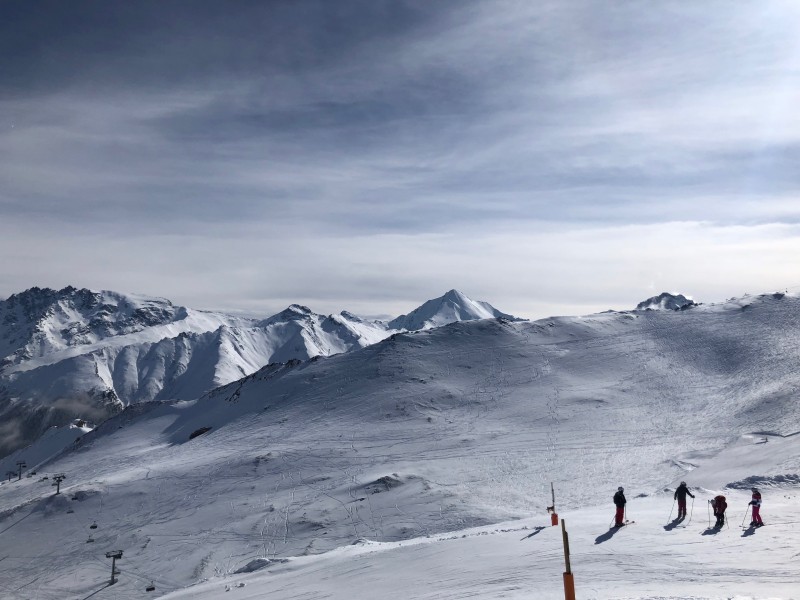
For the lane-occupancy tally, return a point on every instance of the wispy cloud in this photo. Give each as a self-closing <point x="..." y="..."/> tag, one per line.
<point x="345" y="154"/>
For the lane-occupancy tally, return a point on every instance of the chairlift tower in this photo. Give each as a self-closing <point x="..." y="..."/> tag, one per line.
<point x="20" y="465"/>
<point x="58" y="479"/>
<point x="114" y="555"/>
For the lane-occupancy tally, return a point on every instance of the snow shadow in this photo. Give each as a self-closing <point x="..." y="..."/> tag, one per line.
<point x="712" y="531"/>
<point x="748" y="532"/>
<point x="673" y="524"/>
<point x="94" y="593"/>
<point x="607" y="535"/>
<point x="538" y="529"/>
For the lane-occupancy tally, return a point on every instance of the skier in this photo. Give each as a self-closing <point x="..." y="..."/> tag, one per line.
<point x="680" y="496"/>
<point x="619" y="502"/>
<point x="756" y="504"/>
<point x="719" y="505"/>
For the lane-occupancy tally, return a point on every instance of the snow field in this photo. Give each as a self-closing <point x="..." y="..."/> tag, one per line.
<point x="524" y="559"/>
<point x="436" y="434"/>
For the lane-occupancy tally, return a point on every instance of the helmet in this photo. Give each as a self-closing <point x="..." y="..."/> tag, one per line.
<point x="683" y="483"/>
<point x="754" y="489"/>
<point x="620" y="489"/>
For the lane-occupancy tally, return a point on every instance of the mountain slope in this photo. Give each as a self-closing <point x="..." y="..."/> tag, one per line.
<point x="59" y="350"/>
<point x="424" y="433"/>
<point x="81" y="354"/>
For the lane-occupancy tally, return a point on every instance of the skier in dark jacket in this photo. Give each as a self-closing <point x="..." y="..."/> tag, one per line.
<point x="756" y="504"/>
<point x="680" y="496"/>
<point x="619" y="502"/>
<point x="718" y="504"/>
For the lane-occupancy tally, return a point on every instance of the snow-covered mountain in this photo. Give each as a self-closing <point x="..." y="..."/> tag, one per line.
<point x="43" y="321"/>
<point x="450" y="308"/>
<point x="420" y="467"/>
<point x="76" y="353"/>
<point x="59" y="351"/>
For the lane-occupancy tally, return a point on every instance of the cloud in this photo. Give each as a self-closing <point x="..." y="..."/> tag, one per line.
<point x="363" y="155"/>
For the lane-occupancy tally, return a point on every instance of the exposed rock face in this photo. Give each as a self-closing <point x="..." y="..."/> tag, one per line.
<point x="39" y="321"/>
<point x="666" y="301"/>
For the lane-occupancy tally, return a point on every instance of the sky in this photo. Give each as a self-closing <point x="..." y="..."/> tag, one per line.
<point x="551" y="158"/>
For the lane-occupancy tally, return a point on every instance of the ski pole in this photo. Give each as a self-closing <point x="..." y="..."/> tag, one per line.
<point x="709" y="514"/>
<point x="725" y="517"/>
<point x="691" y="512"/>
<point x="747" y="510"/>
<point x="670" y="510"/>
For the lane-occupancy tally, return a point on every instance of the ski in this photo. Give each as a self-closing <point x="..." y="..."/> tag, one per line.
<point x="625" y="523"/>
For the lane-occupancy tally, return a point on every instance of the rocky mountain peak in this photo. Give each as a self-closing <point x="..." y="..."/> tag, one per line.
<point x="666" y="301"/>
<point x="453" y="306"/>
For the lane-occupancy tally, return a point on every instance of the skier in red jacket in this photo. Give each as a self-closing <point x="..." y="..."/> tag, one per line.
<point x="756" y="504"/>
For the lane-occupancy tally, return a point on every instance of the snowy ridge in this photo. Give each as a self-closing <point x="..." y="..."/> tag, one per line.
<point x="432" y="453"/>
<point x="41" y="321"/>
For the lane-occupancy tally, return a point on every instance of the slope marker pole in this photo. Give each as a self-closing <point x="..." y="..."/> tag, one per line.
<point x="569" y="582"/>
<point x="552" y="509"/>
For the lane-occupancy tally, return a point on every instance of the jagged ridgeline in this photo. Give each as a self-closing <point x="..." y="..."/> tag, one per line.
<point x="77" y="353"/>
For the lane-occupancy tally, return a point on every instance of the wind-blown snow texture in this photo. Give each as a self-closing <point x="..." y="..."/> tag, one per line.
<point x="433" y="453"/>
<point x="77" y="353"/>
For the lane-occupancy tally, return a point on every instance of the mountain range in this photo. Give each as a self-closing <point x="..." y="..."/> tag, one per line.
<point x="76" y="353"/>
<point x="420" y="467"/>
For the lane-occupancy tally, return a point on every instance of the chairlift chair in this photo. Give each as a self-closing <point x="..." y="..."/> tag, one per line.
<point x="150" y="588"/>
<point x="93" y="525"/>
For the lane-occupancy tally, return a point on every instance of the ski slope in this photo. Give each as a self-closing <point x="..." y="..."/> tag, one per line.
<point x="412" y="469"/>
<point x="651" y="559"/>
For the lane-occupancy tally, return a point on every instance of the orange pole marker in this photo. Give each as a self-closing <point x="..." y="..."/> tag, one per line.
<point x="569" y="587"/>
